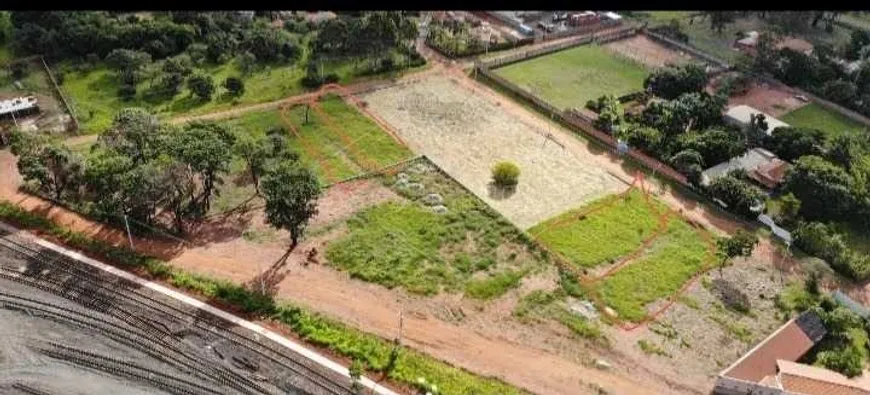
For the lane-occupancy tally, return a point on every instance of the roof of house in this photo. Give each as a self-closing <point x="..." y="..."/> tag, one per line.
<point x="797" y="44"/>
<point x="751" y="39"/>
<point x="750" y="161"/>
<point x="743" y="114"/>
<point x="789" y="342"/>
<point x="806" y="379"/>
<point x="770" y="174"/>
<point x="17" y="104"/>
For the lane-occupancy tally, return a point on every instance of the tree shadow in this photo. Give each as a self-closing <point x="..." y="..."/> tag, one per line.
<point x="243" y="179"/>
<point x="731" y="296"/>
<point x="267" y="281"/>
<point x="498" y="192"/>
<point x="186" y="103"/>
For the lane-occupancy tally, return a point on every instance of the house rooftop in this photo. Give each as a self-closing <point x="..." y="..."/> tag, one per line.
<point x="805" y="379"/>
<point x="789" y="343"/>
<point x="17" y="104"/>
<point x="759" y="164"/>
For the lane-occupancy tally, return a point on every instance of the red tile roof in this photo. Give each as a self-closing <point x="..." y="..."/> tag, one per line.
<point x="789" y="343"/>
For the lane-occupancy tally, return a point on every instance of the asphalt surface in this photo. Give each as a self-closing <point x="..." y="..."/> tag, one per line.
<point x="69" y="328"/>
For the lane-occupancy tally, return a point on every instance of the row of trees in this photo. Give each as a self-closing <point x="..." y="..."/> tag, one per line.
<point x="148" y="171"/>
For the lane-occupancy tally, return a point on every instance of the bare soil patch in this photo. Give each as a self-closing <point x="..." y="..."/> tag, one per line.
<point x="465" y="135"/>
<point x="771" y="99"/>
<point x="646" y="51"/>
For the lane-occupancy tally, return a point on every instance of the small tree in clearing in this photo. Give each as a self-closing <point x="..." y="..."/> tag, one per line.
<point x="291" y="193"/>
<point x="505" y="174"/>
<point x="741" y="244"/>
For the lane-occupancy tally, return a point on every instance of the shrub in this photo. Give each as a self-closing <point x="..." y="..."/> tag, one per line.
<point x="505" y="174"/>
<point x="127" y="92"/>
<point x="818" y="239"/>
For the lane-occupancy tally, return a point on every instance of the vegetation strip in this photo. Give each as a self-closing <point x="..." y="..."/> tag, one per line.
<point x="406" y="367"/>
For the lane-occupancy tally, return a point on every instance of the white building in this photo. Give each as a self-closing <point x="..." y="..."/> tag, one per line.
<point x="742" y="116"/>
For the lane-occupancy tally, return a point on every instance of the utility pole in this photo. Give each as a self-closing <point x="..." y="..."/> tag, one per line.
<point x="129" y="235"/>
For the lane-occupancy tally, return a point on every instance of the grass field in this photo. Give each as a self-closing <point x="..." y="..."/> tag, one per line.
<point x="320" y="145"/>
<point x="720" y="45"/>
<point x="613" y="228"/>
<point x="815" y="116"/>
<point x="571" y="77"/>
<point x="671" y="261"/>
<point x="405" y="244"/>
<point x="858" y="20"/>
<point x="656" y="18"/>
<point x="94" y="93"/>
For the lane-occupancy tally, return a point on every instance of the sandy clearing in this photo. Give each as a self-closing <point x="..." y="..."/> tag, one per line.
<point x="644" y="50"/>
<point x="465" y="135"/>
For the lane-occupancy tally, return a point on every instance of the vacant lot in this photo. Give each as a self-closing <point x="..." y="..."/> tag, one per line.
<point x="659" y="256"/>
<point x="571" y="77"/>
<point x="646" y="51"/>
<point x="701" y="36"/>
<point x="774" y="100"/>
<point x="828" y="121"/>
<point x="466" y="135"/>
<point x="602" y="231"/>
<point x="52" y="116"/>
<point x="412" y="244"/>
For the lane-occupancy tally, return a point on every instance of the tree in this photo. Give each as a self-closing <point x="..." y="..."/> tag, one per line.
<point x="860" y="38"/>
<point x="202" y="86"/>
<point x="291" y="193"/>
<point x="181" y="64"/>
<point x="235" y="86"/>
<point x="840" y="91"/>
<point x="256" y="152"/>
<point x="847" y="149"/>
<point x="823" y="188"/>
<point x="715" y="145"/>
<point x="505" y="174"/>
<point x="789" y="208"/>
<point x="720" y="19"/>
<point x="128" y="63"/>
<point x="54" y="167"/>
<point x="790" y="143"/>
<point x="170" y="84"/>
<point x="247" y="62"/>
<point x="134" y="133"/>
<point x="671" y="82"/>
<point x="610" y="113"/>
<point x="207" y="149"/>
<point x="18" y="70"/>
<point x="739" y="245"/>
<point x="737" y="194"/>
<point x="686" y="159"/>
<point x="646" y="138"/>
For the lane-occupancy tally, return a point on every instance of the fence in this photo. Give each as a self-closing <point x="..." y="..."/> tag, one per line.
<point x="60" y="95"/>
<point x="495" y="47"/>
<point x="573" y="119"/>
<point x="671" y="43"/>
<point x="822" y="102"/>
<point x="579" y="40"/>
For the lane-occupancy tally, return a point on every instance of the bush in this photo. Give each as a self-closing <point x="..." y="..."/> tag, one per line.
<point x="505" y="174"/>
<point x="127" y="92"/>
<point x="820" y="240"/>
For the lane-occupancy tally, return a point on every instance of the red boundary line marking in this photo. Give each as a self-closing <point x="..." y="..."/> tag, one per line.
<point x="307" y="146"/>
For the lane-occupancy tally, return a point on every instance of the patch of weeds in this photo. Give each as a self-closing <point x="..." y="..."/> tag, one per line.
<point x="690" y="302"/>
<point x="494" y="286"/>
<point x="534" y="302"/>
<point x="736" y="329"/>
<point x="583" y="327"/>
<point x="651" y="348"/>
<point x="664" y="329"/>
<point x="260" y="236"/>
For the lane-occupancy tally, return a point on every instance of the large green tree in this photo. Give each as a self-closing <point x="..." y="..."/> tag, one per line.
<point x="791" y="143"/>
<point x="738" y="194"/>
<point x="739" y="245"/>
<point x="134" y="132"/>
<point x="207" y="149"/>
<point x="54" y="167"/>
<point x="824" y="188"/>
<point x="291" y="193"/>
<point x="673" y="81"/>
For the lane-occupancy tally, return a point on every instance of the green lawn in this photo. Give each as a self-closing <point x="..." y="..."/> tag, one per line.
<point x="405" y="244"/>
<point x="94" y="93"/>
<point x="662" y="271"/>
<point x="35" y="81"/>
<point x="720" y="45"/>
<point x="858" y="20"/>
<point x="656" y="18"/>
<point x="615" y="228"/>
<point x="571" y="77"/>
<point x="815" y="116"/>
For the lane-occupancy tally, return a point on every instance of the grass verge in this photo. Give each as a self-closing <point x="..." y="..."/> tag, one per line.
<point x="406" y="368"/>
<point x="817" y="117"/>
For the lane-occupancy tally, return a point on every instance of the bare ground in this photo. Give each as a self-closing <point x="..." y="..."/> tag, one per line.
<point x="773" y="100"/>
<point x="644" y="50"/>
<point x="466" y="135"/>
